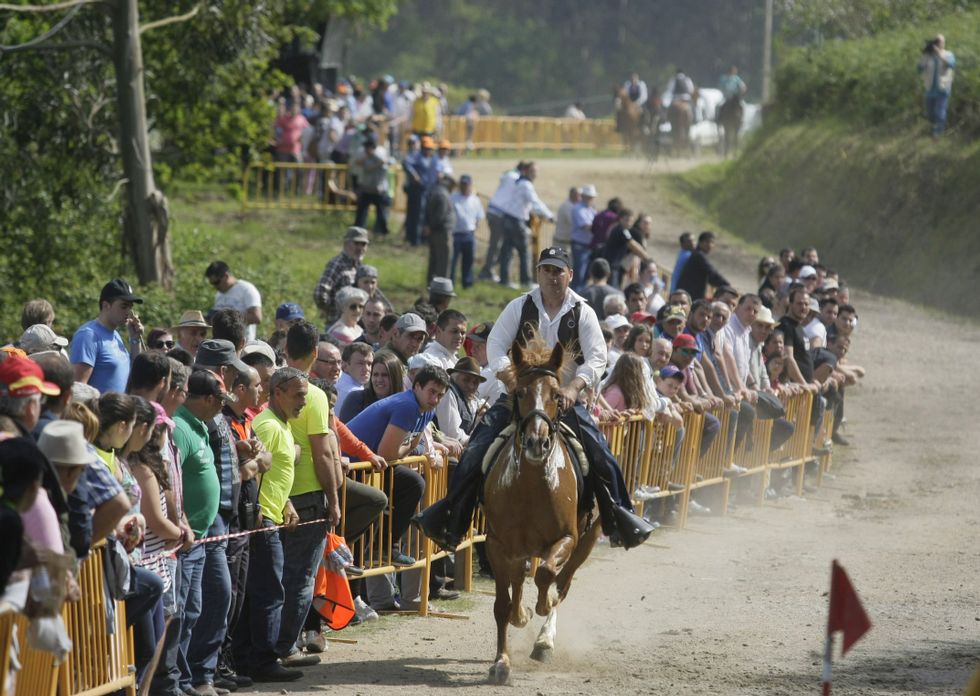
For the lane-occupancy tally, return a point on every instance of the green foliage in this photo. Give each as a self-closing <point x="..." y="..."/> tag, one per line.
<point x="539" y="57"/>
<point x="893" y="212"/>
<point x="805" y="21"/>
<point x="872" y="81"/>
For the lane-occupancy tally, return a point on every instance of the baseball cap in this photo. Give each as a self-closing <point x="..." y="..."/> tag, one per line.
<point x="420" y="360"/>
<point x="555" y="256"/>
<point x="589" y="191"/>
<point x="118" y="289"/>
<point x="365" y="271"/>
<point x="217" y="352"/>
<point x="685" y="341"/>
<point x="206" y="383"/>
<point x="356" y="234"/>
<point x="260" y="347"/>
<point x="41" y="337"/>
<point x="481" y="332"/>
<point x="63" y="442"/>
<point x="814" y="305"/>
<point x="807" y="272"/>
<point x="617" y="321"/>
<point x="641" y="316"/>
<point x="465" y="179"/>
<point x="669" y="371"/>
<point x="674" y="313"/>
<point x="288" y="311"/>
<point x="21" y="376"/>
<point x="411" y="322"/>
<point x="830" y="284"/>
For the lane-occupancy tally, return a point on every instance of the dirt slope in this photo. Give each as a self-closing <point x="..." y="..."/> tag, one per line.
<point x="736" y="605"/>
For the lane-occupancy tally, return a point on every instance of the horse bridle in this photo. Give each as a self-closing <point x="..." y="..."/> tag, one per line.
<point x="537" y="412"/>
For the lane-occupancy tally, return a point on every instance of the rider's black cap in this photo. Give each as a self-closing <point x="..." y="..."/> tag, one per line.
<point x="555" y="256"/>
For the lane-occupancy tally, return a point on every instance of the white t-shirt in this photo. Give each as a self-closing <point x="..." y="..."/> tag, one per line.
<point x="241" y="296"/>
<point x="816" y="329"/>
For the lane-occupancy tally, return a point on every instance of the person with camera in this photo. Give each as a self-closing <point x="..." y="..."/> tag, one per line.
<point x="936" y="66"/>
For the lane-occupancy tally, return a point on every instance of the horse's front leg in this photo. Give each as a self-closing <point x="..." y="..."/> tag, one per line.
<point x="551" y="565"/>
<point x="500" y="671"/>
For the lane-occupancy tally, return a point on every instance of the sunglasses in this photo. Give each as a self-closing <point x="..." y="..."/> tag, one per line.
<point x="691" y="352"/>
<point x="164" y="344"/>
<point x="355" y="306"/>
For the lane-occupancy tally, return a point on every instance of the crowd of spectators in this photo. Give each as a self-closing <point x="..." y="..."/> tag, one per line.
<point x="156" y="439"/>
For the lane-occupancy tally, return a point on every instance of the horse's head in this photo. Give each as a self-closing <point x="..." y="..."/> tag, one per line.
<point x="536" y="399"/>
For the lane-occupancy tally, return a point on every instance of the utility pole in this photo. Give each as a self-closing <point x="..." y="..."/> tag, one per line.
<point x="767" y="56"/>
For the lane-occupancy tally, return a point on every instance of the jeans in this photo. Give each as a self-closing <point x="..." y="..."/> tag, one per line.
<point x="167" y="674"/>
<point x="438" y="254"/>
<point x="496" y="224"/>
<point x="302" y="550"/>
<point x="191" y="579"/>
<point x="709" y="432"/>
<point x="782" y="430"/>
<point x="581" y="254"/>
<point x="413" y="213"/>
<point x="515" y="237"/>
<point x="406" y="492"/>
<point x="464" y="246"/>
<point x="209" y="632"/>
<point x="380" y="202"/>
<point x="936" y="105"/>
<point x="144" y="612"/>
<point x="266" y="596"/>
<point x="237" y="553"/>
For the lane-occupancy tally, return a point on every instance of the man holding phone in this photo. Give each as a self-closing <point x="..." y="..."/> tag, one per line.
<point x="99" y="356"/>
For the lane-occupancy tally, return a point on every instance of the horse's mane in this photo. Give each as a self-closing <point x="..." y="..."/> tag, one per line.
<point x="535" y="354"/>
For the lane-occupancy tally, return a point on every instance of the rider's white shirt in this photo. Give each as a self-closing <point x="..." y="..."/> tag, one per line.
<point x="589" y="335"/>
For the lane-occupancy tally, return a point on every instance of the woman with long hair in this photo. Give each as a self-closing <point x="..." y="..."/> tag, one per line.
<point x="117" y="416"/>
<point x="627" y="388"/>
<point x="387" y="378"/>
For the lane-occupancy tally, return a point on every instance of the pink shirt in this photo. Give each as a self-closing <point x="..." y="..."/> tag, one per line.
<point x="614" y="397"/>
<point x="41" y="524"/>
<point x="290" y="128"/>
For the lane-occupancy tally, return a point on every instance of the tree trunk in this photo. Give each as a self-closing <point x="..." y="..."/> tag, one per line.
<point x="146" y="212"/>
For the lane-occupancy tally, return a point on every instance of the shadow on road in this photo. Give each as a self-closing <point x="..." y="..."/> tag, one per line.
<point x="935" y="667"/>
<point x="405" y="672"/>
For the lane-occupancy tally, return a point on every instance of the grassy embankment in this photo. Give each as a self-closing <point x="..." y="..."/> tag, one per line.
<point x="892" y="210"/>
<point x="283" y="253"/>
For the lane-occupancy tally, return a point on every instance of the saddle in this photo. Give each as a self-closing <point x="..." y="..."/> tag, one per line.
<point x="580" y="463"/>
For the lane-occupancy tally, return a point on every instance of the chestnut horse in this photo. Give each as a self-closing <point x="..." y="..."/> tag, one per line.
<point x="629" y="120"/>
<point x="680" y="113"/>
<point x="531" y="504"/>
<point x="730" y="115"/>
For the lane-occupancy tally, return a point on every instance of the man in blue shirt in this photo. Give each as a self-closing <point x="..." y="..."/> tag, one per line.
<point x="99" y="355"/>
<point x="582" y="216"/>
<point x="687" y="246"/>
<point x="392" y="427"/>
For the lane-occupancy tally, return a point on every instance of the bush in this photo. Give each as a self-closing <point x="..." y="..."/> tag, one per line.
<point x="872" y="82"/>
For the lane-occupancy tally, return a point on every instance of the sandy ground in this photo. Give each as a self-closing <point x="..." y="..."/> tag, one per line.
<point x="737" y="604"/>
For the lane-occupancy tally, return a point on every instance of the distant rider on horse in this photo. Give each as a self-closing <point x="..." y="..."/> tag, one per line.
<point x="681" y="88"/>
<point x="732" y="85"/>
<point x="558" y="314"/>
<point x="636" y="90"/>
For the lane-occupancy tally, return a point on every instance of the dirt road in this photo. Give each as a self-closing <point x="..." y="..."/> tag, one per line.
<point x="736" y="604"/>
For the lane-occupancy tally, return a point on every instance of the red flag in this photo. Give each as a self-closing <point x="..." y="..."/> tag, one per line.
<point x="846" y="612"/>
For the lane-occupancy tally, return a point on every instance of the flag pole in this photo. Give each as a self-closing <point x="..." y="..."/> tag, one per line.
<point x="828" y="650"/>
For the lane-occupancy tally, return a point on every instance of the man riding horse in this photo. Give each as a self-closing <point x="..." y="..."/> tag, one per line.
<point x="731" y="111"/>
<point x="559" y="314"/>
<point x="636" y="90"/>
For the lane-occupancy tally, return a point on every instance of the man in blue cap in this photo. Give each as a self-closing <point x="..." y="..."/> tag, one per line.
<point x="286" y="314"/>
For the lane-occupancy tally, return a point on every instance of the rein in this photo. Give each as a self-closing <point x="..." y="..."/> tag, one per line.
<point x="523" y="421"/>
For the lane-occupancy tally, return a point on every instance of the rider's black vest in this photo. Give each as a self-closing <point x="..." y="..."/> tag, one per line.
<point x="467" y="418"/>
<point x="680" y="85"/>
<point x="634" y="92"/>
<point x="567" y="328"/>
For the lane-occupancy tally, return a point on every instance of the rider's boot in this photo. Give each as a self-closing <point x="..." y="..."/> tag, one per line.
<point x="623" y="527"/>
<point x="432" y="523"/>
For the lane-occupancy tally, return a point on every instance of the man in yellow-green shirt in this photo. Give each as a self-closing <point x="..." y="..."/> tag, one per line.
<point x="288" y="389"/>
<point x="314" y="495"/>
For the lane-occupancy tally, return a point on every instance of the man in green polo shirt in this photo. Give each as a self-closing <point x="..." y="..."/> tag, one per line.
<point x="288" y="388"/>
<point x="205" y="398"/>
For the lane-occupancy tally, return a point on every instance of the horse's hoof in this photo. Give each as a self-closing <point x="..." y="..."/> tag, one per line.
<point x="523" y="616"/>
<point x="500" y="673"/>
<point x="542" y="653"/>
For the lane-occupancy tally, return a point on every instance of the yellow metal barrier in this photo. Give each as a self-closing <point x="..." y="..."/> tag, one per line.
<point x="710" y="469"/>
<point x="795" y="451"/>
<point x="823" y="439"/>
<point x="756" y="460"/>
<point x="309" y="186"/>
<point x="533" y="133"/>
<point x="689" y="456"/>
